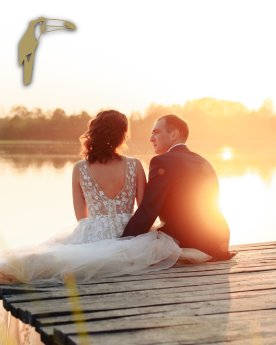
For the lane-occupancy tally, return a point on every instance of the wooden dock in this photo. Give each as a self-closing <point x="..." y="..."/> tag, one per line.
<point x="231" y="302"/>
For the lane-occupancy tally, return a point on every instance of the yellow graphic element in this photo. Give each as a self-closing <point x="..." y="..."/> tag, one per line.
<point x="29" y="42"/>
<point x="77" y="312"/>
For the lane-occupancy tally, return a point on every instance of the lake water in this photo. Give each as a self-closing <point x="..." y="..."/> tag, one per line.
<point x="36" y="202"/>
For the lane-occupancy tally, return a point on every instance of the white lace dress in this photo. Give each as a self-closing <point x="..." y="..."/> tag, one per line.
<point x="95" y="249"/>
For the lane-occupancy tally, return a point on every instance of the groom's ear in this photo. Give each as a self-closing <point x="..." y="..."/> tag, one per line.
<point x="175" y="134"/>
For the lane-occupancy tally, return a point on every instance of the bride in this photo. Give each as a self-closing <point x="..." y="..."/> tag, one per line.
<point x="105" y="187"/>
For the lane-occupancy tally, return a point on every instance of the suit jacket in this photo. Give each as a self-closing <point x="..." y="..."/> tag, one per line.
<point x="182" y="190"/>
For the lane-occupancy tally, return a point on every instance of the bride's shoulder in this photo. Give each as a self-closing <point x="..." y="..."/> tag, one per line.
<point x="78" y="165"/>
<point x="133" y="160"/>
<point x="136" y="163"/>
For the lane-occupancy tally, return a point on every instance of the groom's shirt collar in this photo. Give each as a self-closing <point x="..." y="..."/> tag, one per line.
<point x="180" y="144"/>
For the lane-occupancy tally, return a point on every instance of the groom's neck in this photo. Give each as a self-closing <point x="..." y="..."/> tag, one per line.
<point x="176" y="144"/>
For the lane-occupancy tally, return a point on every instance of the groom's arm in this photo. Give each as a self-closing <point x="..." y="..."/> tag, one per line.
<point x="153" y="200"/>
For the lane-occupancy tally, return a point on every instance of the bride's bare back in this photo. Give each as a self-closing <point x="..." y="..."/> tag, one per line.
<point x="110" y="179"/>
<point x="110" y="176"/>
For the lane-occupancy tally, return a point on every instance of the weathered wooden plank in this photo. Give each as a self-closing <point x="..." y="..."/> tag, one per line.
<point x="196" y="280"/>
<point x="174" y="317"/>
<point x="204" y="330"/>
<point x="193" y="304"/>
<point x="42" y="321"/>
<point x="250" y="246"/>
<point x="177" y="316"/>
<point x="196" y="283"/>
<point x="208" y="290"/>
<point x="256" y="282"/>
<point x="43" y="306"/>
<point x="172" y="336"/>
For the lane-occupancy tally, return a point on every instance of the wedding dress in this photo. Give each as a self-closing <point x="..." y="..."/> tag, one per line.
<point x="94" y="249"/>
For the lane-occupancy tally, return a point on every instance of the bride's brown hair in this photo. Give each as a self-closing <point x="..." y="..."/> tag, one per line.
<point x="106" y="132"/>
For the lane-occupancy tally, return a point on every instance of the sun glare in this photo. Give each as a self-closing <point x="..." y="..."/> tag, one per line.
<point x="226" y="153"/>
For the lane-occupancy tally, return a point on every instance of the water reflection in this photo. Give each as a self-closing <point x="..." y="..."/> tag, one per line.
<point x="35" y="199"/>
<point x="23" y="154"/>
<point x="265" y="166"/>
<point x="228" y="161"/>
<point x="35" y="202"/>
<point x="248" y="202"/>
<point x="23" y="162"/>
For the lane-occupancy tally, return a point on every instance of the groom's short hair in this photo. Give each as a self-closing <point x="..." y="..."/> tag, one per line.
<point x="176" y="122"/>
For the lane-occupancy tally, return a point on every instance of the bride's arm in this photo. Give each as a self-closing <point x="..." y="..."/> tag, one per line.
<point x="78" y="197"/>
<point x="141" y="182"/>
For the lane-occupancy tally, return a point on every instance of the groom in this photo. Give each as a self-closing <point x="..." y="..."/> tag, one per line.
<point x="183" y="191"/>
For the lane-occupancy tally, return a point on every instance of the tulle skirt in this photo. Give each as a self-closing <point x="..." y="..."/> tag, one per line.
<point x="109" y="257"/>
<point x="54" y="261"/>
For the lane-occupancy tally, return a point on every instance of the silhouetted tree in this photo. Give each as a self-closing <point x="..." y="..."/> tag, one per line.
<point x="213" y="123"/>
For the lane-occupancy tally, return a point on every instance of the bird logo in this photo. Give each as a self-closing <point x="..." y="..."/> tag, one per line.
<point x="29" y="42"/>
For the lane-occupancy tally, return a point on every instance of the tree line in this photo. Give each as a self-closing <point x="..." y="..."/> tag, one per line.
<point x="213" y="123"/>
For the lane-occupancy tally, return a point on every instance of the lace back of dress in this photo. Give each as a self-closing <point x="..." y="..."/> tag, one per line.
<point x="98" y="203"/>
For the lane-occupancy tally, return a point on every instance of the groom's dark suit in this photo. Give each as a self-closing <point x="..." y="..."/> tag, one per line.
<point x="183" y="190"/>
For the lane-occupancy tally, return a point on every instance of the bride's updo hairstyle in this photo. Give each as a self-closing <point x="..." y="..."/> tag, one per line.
<point x="106" y="132"/>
